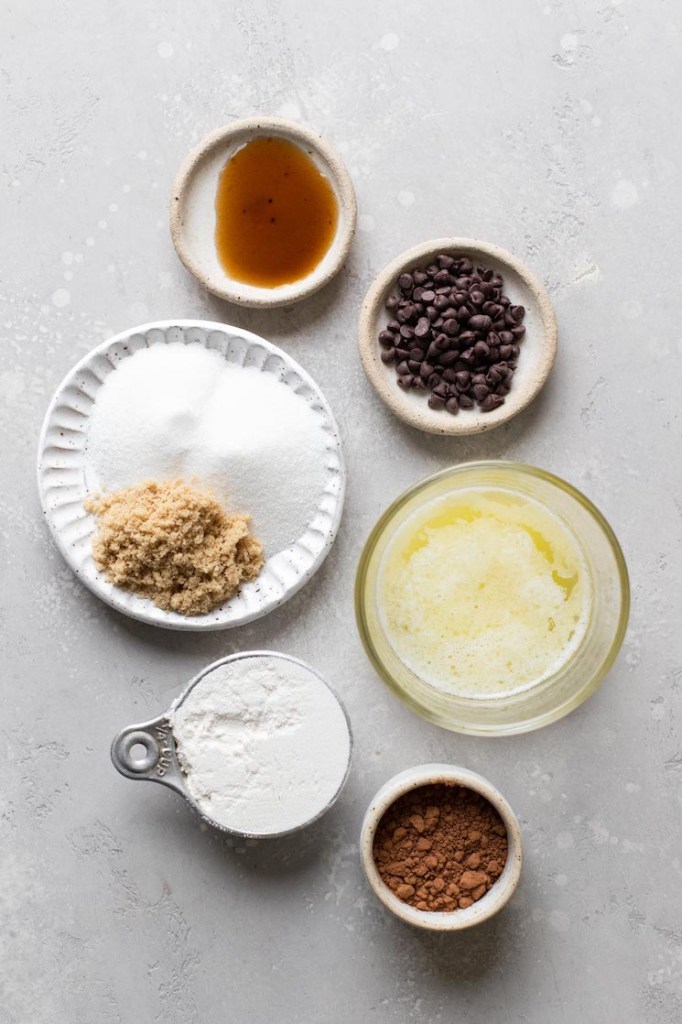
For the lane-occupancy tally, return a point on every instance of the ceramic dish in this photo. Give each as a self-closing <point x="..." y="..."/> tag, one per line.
<point x="65" y="476"/>
<point x="538" y="349"/>
<point x="146" y="752"/>
<point x="192" y="210"/>
<point x="578" y="676"/>
<point x="496" y="897"/>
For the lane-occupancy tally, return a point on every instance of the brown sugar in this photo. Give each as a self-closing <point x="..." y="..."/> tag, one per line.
<point x="440" y="847"/>
<point x="173" y="544"/>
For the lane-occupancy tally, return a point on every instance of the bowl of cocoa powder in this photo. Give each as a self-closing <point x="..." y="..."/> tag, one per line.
<point x="441" y="847"/>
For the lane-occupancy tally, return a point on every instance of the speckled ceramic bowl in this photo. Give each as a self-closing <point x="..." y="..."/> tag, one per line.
<point x="442" y="921"/>
<point x="538" y="349"/>
<point x="192" y="210"/>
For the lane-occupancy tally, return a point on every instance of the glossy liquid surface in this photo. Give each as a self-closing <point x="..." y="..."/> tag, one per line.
<point x="276" y="214"/>
<point x="484" y="592"/>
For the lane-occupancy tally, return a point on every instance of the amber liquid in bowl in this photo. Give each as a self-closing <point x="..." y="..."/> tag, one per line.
<point x="276" y="214"/>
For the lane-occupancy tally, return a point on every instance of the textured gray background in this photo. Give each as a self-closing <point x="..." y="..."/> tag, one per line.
<point x="551" y="128"/>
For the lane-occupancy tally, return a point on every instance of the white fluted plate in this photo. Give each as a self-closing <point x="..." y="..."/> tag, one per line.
<point x="64" y="474"/>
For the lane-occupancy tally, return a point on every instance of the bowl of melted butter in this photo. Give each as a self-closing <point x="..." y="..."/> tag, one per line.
<point x="492" y="598"/>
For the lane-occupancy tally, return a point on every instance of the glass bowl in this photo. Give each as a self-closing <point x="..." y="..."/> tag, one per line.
<point x="577" y="677"/>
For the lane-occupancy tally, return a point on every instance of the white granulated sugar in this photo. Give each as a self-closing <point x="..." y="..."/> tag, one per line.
<point x="264" y="744"/>
<point x="177" y="410"/>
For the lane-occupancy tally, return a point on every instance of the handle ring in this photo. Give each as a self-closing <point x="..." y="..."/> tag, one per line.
<point x="139" y="763"/>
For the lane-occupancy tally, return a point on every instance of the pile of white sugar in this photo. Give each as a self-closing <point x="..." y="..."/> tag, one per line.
<point x="182" y="411"/>
<point x="264" y="744"/>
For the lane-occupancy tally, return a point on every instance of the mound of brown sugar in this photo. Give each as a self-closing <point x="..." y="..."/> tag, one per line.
<point x="173" y="544"/>
<point x="440" y="847"/>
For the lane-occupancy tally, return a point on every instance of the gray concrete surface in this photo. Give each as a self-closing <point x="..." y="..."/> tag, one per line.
<point x="548" y="127"/>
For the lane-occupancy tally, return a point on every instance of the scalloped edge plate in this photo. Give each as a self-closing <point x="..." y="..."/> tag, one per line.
<point x="62" y="473"/>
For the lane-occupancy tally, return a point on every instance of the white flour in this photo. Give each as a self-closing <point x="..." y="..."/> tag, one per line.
<point x="179" y="410"/>
<point x="264" y="744"/>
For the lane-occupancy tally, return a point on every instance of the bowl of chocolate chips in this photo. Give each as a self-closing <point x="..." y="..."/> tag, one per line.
<point x="457" y="336"/>
<point x="441" y="847"/>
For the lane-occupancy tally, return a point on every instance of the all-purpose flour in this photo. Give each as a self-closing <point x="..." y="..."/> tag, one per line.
<point x="182" y="411"/>
<point x="264" y="744"/>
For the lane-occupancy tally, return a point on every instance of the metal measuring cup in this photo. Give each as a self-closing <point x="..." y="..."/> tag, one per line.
<point x="159" y="760"/>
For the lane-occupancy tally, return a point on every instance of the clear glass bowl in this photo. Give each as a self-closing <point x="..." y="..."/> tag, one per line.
<point x="578" y="677"/>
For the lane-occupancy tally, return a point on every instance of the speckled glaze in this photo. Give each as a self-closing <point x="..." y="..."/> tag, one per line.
<point x="538" y="349"/>
<point x="192" y="211"/>
<point x="63" y="484"/>
<point x="440" y="921"/>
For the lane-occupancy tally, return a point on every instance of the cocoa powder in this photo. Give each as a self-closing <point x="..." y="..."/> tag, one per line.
<point x="440" y="847"/>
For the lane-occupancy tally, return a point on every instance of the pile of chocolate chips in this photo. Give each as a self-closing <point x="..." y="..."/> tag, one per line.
<point x="454" y="333"/>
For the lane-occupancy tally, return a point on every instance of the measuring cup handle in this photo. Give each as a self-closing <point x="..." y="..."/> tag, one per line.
<point x="156" y="761"/>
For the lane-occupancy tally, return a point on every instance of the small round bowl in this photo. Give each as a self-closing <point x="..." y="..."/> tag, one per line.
<point x="496" y="897"/>
<point x="192" y="211"/>
<point x="577" y="678"/>
<point x="536" y="358"/>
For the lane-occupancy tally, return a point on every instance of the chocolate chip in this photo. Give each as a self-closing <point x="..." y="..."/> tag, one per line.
<point x="449" y="319"/>
<point x="491" y="402"/>
<point x="480" y="323"/>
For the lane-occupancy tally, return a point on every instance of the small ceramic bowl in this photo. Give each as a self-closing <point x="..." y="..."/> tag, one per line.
<point x="192" y="211"/>
<point x="537" y="350"/>
<point x="496" y="897"/>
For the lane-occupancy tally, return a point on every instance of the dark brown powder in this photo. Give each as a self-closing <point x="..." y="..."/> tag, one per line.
<point x="440" y="847"/>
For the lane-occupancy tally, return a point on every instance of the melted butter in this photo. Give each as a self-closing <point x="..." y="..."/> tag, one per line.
<point x="484" y="592"/>
<point x="276" y="214"/>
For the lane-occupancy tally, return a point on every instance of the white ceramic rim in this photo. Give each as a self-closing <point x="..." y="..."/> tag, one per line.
<point x="467" y="421"/>
<point x="496" y="897"/>
<point x="144" y="610"/>
<point x="237" y="291"/>
<point x="241" y="656"/>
